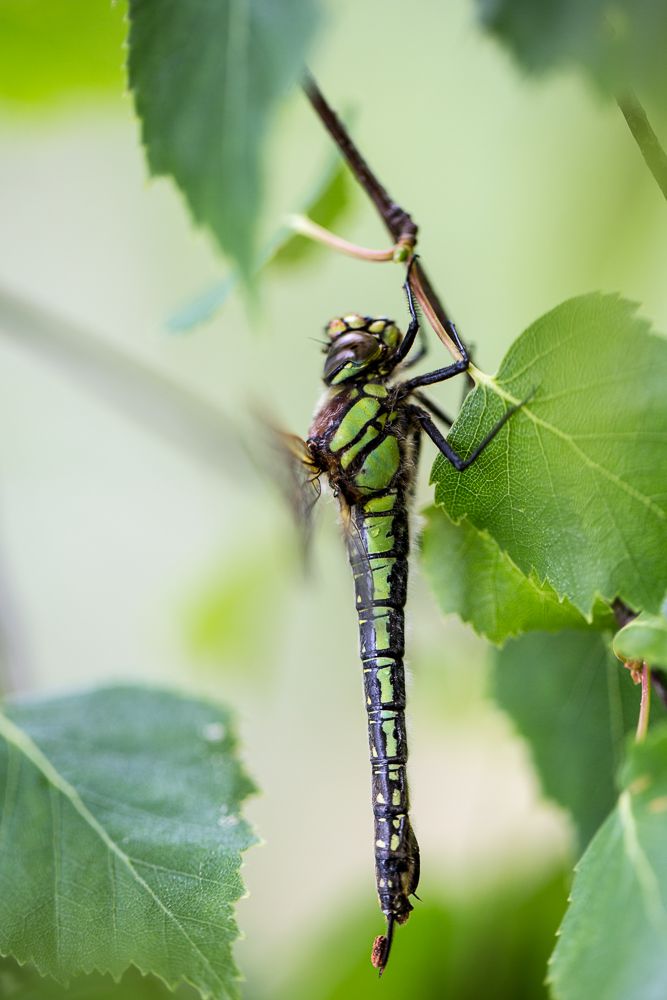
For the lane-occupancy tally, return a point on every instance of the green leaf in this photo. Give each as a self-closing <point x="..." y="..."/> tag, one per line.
<point x="573" y="703"/>
<point x="644" y="638"/>
<point x="206" y="77"/>
<point x="221" y="618"/>
<point x="48" y="51"/>
<point x="327" y="203"/>
<point x="621" y="45"/>
<point x="475" y="579"/>
<point x="22" y="982"/>
<point x="120" y="836"/>
<point x="573" y="486"/>
<point x="613" y="940"/>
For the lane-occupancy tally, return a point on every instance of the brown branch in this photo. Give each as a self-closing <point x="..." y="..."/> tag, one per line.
<point x="648" y="142"/>
<point x="398" y="222"/>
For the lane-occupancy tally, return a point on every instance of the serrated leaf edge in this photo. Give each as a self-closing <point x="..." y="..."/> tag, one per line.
<point x="16" y="736"/>
<point x="532" y="578"/>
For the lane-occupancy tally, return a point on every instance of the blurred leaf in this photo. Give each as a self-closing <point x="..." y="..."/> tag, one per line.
<point x="620" y="45"/>
<point x="22" y="982"/>
<point x="475" y="579"/>
<point x="221" y="620"/>
<point x="121" y="836"/>
<point x="573" y="703"/>
<point x="50" y="50"/>
<point x="327" y="204"/>
<point x="203" y="306"/>
<point x="613" y="940"/>
<point x="644" y="638"/>
<point x="494" y="946"/>
<point x="206" y="77"/>
<point x="573" y="486"/>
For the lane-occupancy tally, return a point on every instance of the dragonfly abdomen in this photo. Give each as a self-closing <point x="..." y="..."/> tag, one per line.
<point x="378" y="548"/>
<point x="366" y="445"/>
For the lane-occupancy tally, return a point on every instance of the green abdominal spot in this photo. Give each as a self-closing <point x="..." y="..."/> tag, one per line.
<point x="381" y="569"/>
<point x="389" y="730"/>
<point x="386" y="687"/>
<point x="377" y="505"/>
<point x="380" y="618"/>
<point x="380" y="465"/>
<point x="380" y="534"/>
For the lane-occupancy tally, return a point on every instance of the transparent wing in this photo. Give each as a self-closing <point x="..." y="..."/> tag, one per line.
<point x="357" y="550"/>
<point x="298" y="479"/>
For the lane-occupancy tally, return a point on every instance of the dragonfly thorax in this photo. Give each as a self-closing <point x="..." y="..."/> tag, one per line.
<point x="358" y="346"/>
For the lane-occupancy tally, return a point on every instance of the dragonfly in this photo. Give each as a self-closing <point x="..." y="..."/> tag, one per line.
<point x="365" y="440"/>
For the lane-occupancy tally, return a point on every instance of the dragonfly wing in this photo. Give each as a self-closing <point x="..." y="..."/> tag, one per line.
<point x="298" y="478"/>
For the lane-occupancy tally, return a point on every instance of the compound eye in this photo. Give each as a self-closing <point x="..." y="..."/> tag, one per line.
<point x="356" y="346"/>
<point x="355" y="349"/>
<point x="366" y="347"/>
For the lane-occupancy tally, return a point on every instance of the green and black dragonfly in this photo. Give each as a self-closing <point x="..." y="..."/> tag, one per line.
<point x="365" y="438"/>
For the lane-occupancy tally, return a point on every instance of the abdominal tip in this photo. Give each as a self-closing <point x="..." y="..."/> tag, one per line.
<point x="379" y="954"/>
<point x="382" y="947"/>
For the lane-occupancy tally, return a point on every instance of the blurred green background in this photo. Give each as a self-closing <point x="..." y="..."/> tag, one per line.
<point x="124" y="554"/>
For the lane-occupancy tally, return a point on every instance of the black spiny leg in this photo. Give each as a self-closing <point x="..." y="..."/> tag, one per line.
<point x="422" y="417"/>
<point x="435" y="410"/>
<point x="407" y="343"/>
<point x="414" y="320"/>
<point x="441" y="374"/>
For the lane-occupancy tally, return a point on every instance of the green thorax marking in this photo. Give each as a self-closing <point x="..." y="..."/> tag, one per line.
<point x="364" y="431"/>
<point x="355" y="420"/>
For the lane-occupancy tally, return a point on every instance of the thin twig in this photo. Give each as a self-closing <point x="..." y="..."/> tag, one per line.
<point x="306" y="227"/>
<point x="648" y="142"/>
<point x="398" y="222"/>
<point x="396" y="219"/>
<point x="645" y="704"/>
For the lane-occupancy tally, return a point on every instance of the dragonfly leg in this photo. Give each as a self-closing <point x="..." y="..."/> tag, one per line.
<point x="435" y="410"/>
<point x="415" y="326"/>
<point x="423" y="418"/>
<point x="413" y="329"/>
<point x="440" y="375"/>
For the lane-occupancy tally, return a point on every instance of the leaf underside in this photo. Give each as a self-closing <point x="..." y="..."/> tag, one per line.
<point x="472" y="577"/>
<point x="206" y="76"/>
<point x="120" y="836"/>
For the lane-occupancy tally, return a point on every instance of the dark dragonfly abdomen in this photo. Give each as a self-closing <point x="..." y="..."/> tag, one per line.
<point x="367" y="447"/>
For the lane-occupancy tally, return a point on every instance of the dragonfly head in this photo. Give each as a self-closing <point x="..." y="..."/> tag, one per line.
<point x="359" y="346"/>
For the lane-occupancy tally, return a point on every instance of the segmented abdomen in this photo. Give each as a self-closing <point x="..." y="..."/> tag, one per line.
<point x="367" y="448"/>
<point x="378" y="551"/>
